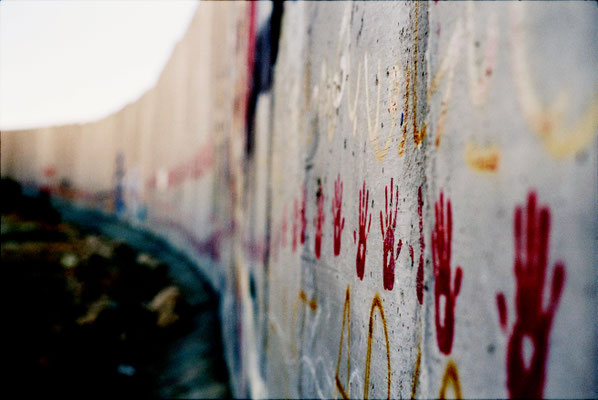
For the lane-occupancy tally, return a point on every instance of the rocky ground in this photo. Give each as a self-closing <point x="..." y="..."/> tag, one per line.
<point x="88" y="315"/>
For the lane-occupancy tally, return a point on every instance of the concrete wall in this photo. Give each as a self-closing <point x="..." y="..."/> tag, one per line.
<point x="408" y="209"/>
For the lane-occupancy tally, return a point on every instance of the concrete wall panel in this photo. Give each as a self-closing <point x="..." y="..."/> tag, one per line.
<point x="465" y="132"/>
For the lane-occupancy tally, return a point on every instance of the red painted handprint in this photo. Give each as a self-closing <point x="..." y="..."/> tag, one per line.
<point x="364" y="198"/>
<point x="533" y="320"/>
<point x="337" y="222"/>
<point x="319" y="221"/>
<point x="419" y="279"/>
<point x="388" y="237"/>
<point x="441" y="258"/>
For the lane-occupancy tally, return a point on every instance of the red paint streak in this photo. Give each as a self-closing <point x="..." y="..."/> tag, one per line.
<point x="441" y="258"/>
<point x="295" y="224"/>
<point x="419" y="279"/>
<point x="533" y="320"/>
<point x="303" y="219"/>
<point x="388" y="237"/>
<point x="49" y="172"/>
<point x="337" y="222"/>
<point x="284" y="226"/>
<point x="192" y="169"/>
<point x="364" y="199"/>
<point x="319" y="221"/>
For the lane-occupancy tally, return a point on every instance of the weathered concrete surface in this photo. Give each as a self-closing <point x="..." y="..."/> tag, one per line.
<point x="492" y="104"/>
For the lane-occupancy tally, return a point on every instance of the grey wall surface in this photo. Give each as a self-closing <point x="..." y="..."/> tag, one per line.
<point x="410" y="211"/>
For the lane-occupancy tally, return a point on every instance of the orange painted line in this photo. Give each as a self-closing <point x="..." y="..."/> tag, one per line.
<point x="451" y="377"/>
<point x="376" y="303"/>
<point x="346" y="316"/>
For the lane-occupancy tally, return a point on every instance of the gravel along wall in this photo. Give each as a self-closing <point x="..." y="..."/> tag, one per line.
<point x="394" y="199"/>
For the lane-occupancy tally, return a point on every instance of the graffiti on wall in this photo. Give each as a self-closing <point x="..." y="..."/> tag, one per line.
<point x="468" y="118"/>
<point x="533" y="321"/>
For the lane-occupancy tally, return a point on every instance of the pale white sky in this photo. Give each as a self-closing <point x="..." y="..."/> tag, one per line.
<point x="67" y="61"/>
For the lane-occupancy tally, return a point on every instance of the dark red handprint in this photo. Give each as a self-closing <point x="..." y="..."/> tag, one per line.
<point x="303" y="219"/>
<point x="295" y="224"/>
<point x="533" y="320"/>
<point x="319" y="221"/>
<point x="441" y="258"/>
<point x="388" y="238"/>
<point x="419" y="279"/>
<point x="364" y="198"/>
<point x="337" y="222"/>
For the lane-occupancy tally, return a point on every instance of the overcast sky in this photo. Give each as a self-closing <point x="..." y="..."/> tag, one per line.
<point x="67" y="61"/>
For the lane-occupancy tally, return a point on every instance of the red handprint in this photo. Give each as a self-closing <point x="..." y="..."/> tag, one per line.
<point x="533" y="321"/>
<point x="441" y="258"/>
<point x="364" y="198"/>
<point x="388" y="237"/>
<point x="295" y="224"/>
<point x="319" y="221"/>
<point x="419" y="279"/>
<point x="337" y="222"/>
<point x="303" y="219"/>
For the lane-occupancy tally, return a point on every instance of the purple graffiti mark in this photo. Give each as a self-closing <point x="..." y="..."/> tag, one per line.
<point x="209" y="246"/>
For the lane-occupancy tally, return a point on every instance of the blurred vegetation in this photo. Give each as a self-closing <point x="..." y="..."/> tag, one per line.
<point x="88" y="315"/>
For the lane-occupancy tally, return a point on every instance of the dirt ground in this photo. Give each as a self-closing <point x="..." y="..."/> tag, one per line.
<point x="90" y="315"/>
